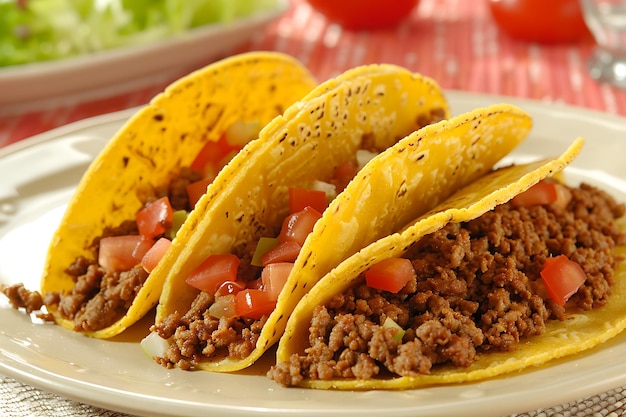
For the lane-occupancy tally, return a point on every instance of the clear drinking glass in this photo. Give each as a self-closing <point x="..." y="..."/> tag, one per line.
<point x="606" y="20"/>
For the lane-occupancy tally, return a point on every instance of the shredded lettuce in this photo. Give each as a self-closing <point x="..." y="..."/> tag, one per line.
<point x="43" y="30"/>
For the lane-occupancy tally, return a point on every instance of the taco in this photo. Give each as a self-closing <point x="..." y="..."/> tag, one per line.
<point x="101" y="272"/>
<point x="512" y="271"/>
<point x="204" y="327"/>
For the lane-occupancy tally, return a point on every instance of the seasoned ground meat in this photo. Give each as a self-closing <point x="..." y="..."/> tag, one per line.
<point x="99" y="298"/>
<point x="198" y="336"/>
<point x="477" y="288"/>
<point x="30" y="301"/>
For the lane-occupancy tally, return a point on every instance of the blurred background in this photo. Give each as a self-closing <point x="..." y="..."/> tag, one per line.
<point x="65" y="60"/>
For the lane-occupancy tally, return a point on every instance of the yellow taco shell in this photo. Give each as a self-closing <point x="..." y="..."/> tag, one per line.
<point x="579" y="332"/>
<point x="154" y="144"/>
<point x="404" y="181"/>
<point x="249" y="199"/>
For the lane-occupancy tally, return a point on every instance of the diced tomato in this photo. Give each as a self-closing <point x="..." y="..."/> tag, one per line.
<point x="297" y="226"/>
<point x="299" y="198"/>
<point x="253" y="304"/>
<point x="155" y="219"/>
<point x="283" y="252"/>
<point x="544" y="192"/>
<point x="197" y="189"/>
<point x="274" y="277"/>
<point x="212" y="153"/>
<point x="255" y="284"/>
<point x="390" y="274"/>
<point x="154" y="255"/>
<point x="230" y="287"/>
<point x="122" y="253"/>
<point x="365" y="14"/>
<point x="562" y="278"/>
<point x="553" y="21"/>
<point x="213" y="272"/>
<point x="343" y="174"/>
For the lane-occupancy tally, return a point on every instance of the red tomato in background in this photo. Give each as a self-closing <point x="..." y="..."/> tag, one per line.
<point x="364" y="14"/>
<point x="547" y="21"/>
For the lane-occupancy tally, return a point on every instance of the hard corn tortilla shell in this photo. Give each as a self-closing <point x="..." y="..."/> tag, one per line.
<point x="151" y="147"/>
<point x="306" y="143"/>
<point x="579" y="332"/>
<point x="396" y="187"/>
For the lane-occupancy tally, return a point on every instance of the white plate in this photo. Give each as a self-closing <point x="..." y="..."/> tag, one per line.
<point x="38" y="177"/>
<point x="38" y="85"/>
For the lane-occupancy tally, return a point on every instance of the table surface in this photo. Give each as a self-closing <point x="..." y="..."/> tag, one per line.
<point x="454" y="41"/>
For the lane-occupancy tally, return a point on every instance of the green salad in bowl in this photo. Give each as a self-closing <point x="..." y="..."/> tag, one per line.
<point x="44" y="30"/>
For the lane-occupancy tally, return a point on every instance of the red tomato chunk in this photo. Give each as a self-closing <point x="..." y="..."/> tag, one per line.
<point x="154" y="255"/>
<point x="197" y="189"/>
<point x="230" y="287"/>
<point x="213" y="272"/>
<point x="390" y="274"/>
<point x="283" y="252"/>
<point x="253" y="304"/>
<point x="122" y="253"/>
<point x="544" y="192"/>
<point x="562" y="278"/>
<point x="211" y="157"/>
<point x="274" y="277"/>
<point x="343" y="174"/>
<point x="300" y="198"/>
<point x="297" y="226"/>
<point x="155" y="219"/>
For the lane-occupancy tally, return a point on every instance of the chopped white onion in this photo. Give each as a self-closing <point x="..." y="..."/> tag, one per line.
<point x="154" y="345"/>
<point x="363" y="157"/>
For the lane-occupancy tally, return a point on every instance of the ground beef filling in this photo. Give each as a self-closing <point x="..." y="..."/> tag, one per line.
<point x="31" y="301"/>
<point x="99" y="298"/>
<point x="198" y="336"/>
<point x="477" y="289"/>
